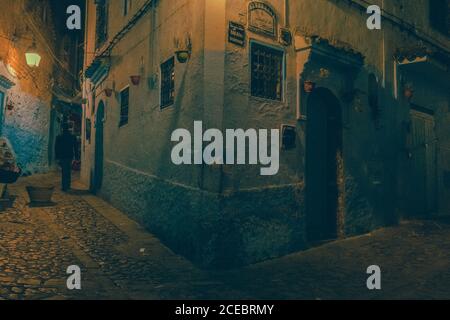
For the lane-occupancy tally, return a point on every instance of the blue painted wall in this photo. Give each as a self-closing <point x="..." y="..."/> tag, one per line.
<point x="26" y="127"/>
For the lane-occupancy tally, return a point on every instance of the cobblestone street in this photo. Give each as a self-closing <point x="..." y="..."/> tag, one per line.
<point x="117" y="258"/>
<point x="120" y="260"/>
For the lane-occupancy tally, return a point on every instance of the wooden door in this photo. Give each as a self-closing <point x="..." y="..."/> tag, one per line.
<point x="323" y="145"/>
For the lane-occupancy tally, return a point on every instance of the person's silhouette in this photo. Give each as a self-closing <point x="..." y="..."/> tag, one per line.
<point x="65" y="150"/>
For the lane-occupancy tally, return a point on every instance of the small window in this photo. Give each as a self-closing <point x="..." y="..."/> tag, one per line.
<point x="124" y="106"/>
<point x="266" y="72"/>
<point x="440" y="15"/>
<point x="168" y="83"/>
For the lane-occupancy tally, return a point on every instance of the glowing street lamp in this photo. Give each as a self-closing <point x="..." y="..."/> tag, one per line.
<point x="33" y="58"/>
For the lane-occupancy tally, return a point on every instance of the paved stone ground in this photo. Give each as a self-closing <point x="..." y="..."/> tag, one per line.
<point x="120" y="260"/>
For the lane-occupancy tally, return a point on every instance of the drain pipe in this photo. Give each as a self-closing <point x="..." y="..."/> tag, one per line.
<point x="286" y="14"/>
<point x="384" y="48"/>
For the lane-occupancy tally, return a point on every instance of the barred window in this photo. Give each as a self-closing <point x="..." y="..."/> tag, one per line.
<point x="266" y="72"/>
<point x="101" y="29"/>
<point x="124" y="106"/>
<point x="168" y="83"/>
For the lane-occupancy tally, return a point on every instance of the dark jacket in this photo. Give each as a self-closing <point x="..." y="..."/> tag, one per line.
<point x="65" y="146"/>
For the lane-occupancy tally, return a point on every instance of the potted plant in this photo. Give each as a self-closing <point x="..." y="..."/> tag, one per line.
<point x="135" y="80"/>
<point x="108" y="92"/>
<point x="7" y="202"/>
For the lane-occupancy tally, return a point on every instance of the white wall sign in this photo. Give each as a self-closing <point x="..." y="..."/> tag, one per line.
<point x="262" y="19"/>
<point x="236" y="34"/>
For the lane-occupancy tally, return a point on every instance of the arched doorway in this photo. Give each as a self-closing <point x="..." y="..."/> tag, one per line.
<point x="323" y="155"/>
<point x="99" y="122"/>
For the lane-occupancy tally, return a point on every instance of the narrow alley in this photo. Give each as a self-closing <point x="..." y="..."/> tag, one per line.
<point x="235" y="149"/>
<point x="120" y="260"/>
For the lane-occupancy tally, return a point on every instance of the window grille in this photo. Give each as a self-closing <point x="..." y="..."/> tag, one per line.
<point x="124" y="106"/>
<point x="266" y="72"/>
<point x="168" y="83"/>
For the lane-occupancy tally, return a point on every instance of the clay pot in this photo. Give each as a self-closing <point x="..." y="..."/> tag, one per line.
<point x="40" y="194"/>
<point x="108" y="92"/>
<point x="7" y="203"/>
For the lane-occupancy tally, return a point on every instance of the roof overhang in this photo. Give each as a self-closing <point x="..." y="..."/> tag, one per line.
<point x="427" y="67"/>
<point x="322" y="49"/>
<point x="98" y="70"/>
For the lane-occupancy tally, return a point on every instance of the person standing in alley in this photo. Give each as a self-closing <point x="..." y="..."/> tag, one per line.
<point x="65" y="151"/>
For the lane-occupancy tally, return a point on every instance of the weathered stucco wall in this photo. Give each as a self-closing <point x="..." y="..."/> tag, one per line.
<point x="26" y="126"/>
<point x="150" y="128"/>
<point x="230" y="215"/>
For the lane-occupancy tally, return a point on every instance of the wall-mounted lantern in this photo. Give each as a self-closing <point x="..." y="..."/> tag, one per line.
<point x="182" y="56"/>
<point x="309" y="86"/>
<point x="33" y="58"/>
<point x="152" y="81"/>
<point x="183" y="50"/>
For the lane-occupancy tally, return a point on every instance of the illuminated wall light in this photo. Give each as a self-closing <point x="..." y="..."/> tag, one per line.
<point x="182" y="56"/>
<point x="33" y="58"/>
<point x="183" y="50"/>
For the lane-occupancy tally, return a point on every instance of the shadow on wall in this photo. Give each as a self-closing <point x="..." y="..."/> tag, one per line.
<point x="164" y="161"/>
